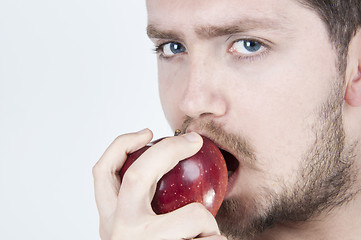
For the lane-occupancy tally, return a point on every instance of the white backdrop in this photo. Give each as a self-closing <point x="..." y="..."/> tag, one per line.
<point x="74" y="74"/>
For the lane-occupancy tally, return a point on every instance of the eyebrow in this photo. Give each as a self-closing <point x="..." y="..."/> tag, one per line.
<point x="212" y="31"/>
<point x="154" y="32"/>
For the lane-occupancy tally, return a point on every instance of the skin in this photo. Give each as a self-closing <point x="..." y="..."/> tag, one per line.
<point x="272" y="100"/>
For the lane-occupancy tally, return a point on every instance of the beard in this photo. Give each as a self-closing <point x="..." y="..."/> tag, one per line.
<point x="324" y="180"/>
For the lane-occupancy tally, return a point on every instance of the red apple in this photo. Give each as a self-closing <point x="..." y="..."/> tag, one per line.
<point x="201" y="178"/>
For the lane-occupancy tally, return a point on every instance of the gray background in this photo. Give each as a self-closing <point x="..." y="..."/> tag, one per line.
<point x="74" y="74"/>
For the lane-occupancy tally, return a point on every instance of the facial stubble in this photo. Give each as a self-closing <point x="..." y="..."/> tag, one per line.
<point x="325" y="180"/>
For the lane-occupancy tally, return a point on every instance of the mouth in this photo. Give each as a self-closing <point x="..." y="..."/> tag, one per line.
<point x="232" y="168"/>
<point x="231" y="162"/>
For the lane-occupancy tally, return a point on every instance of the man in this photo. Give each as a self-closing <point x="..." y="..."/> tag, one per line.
<point x="277" y="83"/>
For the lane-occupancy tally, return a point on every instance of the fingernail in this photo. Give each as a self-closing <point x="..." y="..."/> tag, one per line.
<point x="192" y="137"/>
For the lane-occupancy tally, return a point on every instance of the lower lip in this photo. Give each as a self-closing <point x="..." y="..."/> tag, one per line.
<point x="231" y="181"/>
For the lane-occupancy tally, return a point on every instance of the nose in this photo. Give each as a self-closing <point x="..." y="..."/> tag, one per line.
<point x="203" y="94"/>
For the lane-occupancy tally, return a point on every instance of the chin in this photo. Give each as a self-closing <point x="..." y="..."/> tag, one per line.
<point x="241" y="218"/>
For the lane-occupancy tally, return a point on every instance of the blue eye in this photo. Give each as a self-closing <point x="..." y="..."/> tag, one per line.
<point x="171" y="49"/>
<point x="252" y="46"/>
<point x="246" y="47"/>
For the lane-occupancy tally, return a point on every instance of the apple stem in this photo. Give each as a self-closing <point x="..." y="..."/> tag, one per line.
<point x="177" y="132"/>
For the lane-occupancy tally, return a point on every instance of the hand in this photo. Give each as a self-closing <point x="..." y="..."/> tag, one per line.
<point x="125" y="210"/>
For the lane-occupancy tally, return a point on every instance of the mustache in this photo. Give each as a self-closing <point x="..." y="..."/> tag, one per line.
<point x="238" y="145"/>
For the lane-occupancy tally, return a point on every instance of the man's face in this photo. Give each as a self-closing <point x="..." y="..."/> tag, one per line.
<point x="257" y="77"/>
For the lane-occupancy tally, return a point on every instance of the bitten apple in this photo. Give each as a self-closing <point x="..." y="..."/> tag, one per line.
<point x="202" y="178"/>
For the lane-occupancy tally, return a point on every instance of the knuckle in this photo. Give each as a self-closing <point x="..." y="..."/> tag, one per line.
<point x="133" y="178"/>
<point x="119" y="138"/>
<point x="119" y="142"/>
<point x="172" y="146"/>
<point x="169" y="142"/>
<point x="97" y="170"/>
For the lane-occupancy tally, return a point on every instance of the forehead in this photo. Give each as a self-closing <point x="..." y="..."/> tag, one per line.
<point x="218" y="12"/>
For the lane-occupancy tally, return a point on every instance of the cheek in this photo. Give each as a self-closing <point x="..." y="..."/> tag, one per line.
<point x="170" y="94"/>
<point x="280" y="108"/>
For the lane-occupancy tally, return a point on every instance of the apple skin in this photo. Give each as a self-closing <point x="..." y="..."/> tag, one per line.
<point x="201" y="178"/>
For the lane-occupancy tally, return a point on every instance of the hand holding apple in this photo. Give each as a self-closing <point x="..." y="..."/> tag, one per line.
<point x="125" y="210"/>
<point x="201" y="178"/>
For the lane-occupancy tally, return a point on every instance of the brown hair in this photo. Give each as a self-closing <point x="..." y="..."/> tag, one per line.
<point x="342" y="19"/>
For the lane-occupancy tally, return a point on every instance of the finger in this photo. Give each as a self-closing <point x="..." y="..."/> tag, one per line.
<point x="120" y="147"/>
<point x="139" y="182"/>
<point x="105" y="171"/>
<point x="190" y="221"/>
